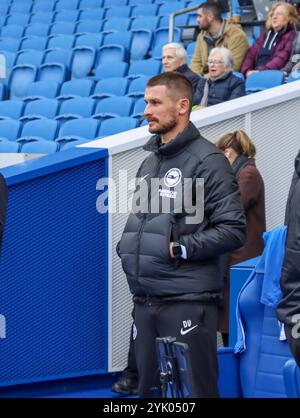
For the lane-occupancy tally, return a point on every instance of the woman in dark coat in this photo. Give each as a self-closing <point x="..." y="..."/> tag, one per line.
<point x="240" y="151"/>
<point x="272" y="49"/>
<point x="221" y="85"/>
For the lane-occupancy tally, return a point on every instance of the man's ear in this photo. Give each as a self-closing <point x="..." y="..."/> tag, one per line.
<point x="183" y="106"/>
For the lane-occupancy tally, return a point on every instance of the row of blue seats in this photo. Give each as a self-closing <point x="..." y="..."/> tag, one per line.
<point x="22" y="77"/>
<point x="136" y="43"/>
<point x="38" y="135"/>
<point x="74" y="15"/>
<point x="72" y="108"/>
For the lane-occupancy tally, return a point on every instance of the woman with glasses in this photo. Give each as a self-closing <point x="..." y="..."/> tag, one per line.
<point x="272" y="48"/>
<point x="221" y="84"/>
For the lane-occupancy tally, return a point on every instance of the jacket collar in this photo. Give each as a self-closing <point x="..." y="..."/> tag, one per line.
<point x="297" y="164"/>
<point x="240" y="162"/>
<point x="182" y="69"/>
<point x="189" y="134"/>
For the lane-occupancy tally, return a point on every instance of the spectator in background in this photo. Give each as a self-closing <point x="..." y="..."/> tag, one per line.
<point x="272" y="49"/>
<point x="293" y="63"/>
<point x="216" y="32"/>
<point x="221" y="85"/>
<point x="240" y="151"/>
<point x="288" y="309"/>
<point x="174" y="58"/>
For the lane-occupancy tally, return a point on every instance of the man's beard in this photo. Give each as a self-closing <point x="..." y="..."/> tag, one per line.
<point x="164" y="128"/>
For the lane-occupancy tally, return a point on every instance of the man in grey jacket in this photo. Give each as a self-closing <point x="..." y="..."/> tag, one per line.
<point x="187" y="212"/>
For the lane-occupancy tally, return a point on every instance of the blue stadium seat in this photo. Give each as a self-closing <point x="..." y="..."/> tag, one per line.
<point x="113" y="106"/>
<point x="144" y="67"/>
<point x="62" y="28"/>
<point x="29" y="56"/>
<point x="109" y="3"/>
<point x="9" y="129"/>
<point x="91" y="14"/>
<point x="145" y="22"/>
<point x="123" y="38"/>
<point x="139" y="108"/>
<point x="70" y="143"/>
<point x="90" y="3"/>
<point x="78" y="129"/>
<point x="116" y="23"/>
<point x="61" y="41"/>
<point x="34" y="42"/>
<point x="170" y="7"/>
<point x="66" y="16"/>
<point x="82" y="61"/>
<point x="141" y="41"/>
<point x="18" y="19"/>
<point x="294" y="76"/>
<point x="20" y="78"/>
<point x="263" y="80"/>
<point x="82" y="107"/>
<point x="179" y="20"/>
<point x="238" y="74"/>
<point x="38" y="146"/>
<point x="10" y="58"/>
<point x="9" y="44"/>
<point x="118" y="11"/>
<point x="12" y="31"/>
<point x="52" y="72"/>
<point x="291" y="375"/>
<point x="39" y="129"/>
<point x="144" y="10"/>
<point x="107" y="70"/>
<point x="37" y="29"/>
<point x="161" y="37"/>
<point x="58" y="55"/>
<point x="4" y="9"/>
<point x="66" y="5"/>
<point x="11" y="109"/>
<point x="89" y="39"/>
<point x="2" y="91"/>
<point x="42" y="89"/>
<point x="115" y="125"/>
<point x="190" y="49"/>
<point x="7" y="146"/>
<point x="73" y="88"/>
<point x="40" y="108"/>
<point x="139" y="2"/>
<point x="137" y="87"/>
<point x="89" y="26"/>
<point x="42" y="6"/>
<point x="115" y="86"/>
<point x="20" y="7"/>
<point x="42" y="17"/>
<point x="111" y="54"/>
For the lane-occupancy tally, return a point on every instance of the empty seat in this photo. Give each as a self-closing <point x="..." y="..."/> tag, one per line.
<point x="39" y="129"/>
<point x="263" y="80"/>
<point x="139" y="2"/>
<point x="30" y="56"/>
<point x="20" y="78"/>
<point x="9" y="57"/>
<point x="144" y="67"/>
<point x="8" y="146"/>
<point x="76" y="107"/>
<point x="42" y="6"/>
<point x="12" y="31"/>
<point x="17" y="19"/>
<point x="11" y="109"/>
<point x="37" y="29"/>
<point x="62" y="28"/>
<point x="115" y="86"/>
<point x="73" y="88"/>
<point x="66" y="4"/>
<point x="139" y="108"/>
<point x="118" y="38"/>
<point x="141" y="41"/>
<point x="78" y="129"/>
<point x="137" y="87"/>
<point x="40" y="89"/>
<point x="82" y="61"/>
<point x="179" y="20"/>
<point x="9" y="129"/>
<point x="145" y="22"/>
<point x="161" y="37"/>
<point x="38" y="146"/>
<point x="52" y="72"/>
<point x="145" y="10"/>
<point x="61" y="41"/>
<point x="35" y="109"/>
<point x="111" y="54"/>
<point x="114" y="106"/>
<point x="58" y="55"/>
<point x="91" y="14"/>
<point x="70" y="143"/>
<point x="20" y="7"/>
<point x="116" y="23"/>
<point x="89" y="26"/>
<point x="34" y="42"/>
<point x="89" y="39"/>
<point x="116" y="125"/>
<point x="107" y="70"/>
<point x="66" y="16"/>
<point x="108" y="3"/>
<point x="42" y="17"/>
<point x="9" y="44"/>
<point x="118" y="11"/>
<point x="170" y="7"/>
<point x="90" y="3"/>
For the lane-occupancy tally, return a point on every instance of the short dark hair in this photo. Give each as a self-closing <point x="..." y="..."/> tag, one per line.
<point x="212" y="7"/>
<point x="177" y="84"/>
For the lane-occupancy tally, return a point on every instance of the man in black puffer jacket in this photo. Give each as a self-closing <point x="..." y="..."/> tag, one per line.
<point x="171" y="245"/>
<point x="288" y="309"/>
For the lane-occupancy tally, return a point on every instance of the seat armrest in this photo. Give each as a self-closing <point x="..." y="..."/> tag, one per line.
<point x="229" y="380"/>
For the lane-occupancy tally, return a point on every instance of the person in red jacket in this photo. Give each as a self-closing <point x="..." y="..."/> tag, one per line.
<point x="272" y="49"/>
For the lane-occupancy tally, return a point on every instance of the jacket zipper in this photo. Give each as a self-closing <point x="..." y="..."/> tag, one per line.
<point x="144" y="221"/>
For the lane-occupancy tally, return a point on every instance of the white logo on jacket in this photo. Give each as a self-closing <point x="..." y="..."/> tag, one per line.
<point x="172" y="177"/>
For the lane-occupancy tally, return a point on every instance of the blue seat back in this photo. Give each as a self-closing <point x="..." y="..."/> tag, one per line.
<point x="20" y="78"/>
<point x="11" y="108"/>
<point x="52" y="72"/>
<point x="115" y="86"/>
<point x="82" y="88"/>
<point x="117" y="106"/>
<point x="9" y="129"/>
<point x="115" y="125"/>
<point x="7" y="146"/>
<point x="111" y="54"/>
<point x="46" y="108"/>
<point x="106" y="70"/>
<point x="291" y="374"/>
<point x="43" y="89"/>
<point x="39" y="146"/>
<point x="85" y="128"/>
<point x="141" y="41"/>
<point x="42" y="128"/>
<point x="82" y="61"/>
<point x="79" y="106"/>
<point x="263" y="80"/>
